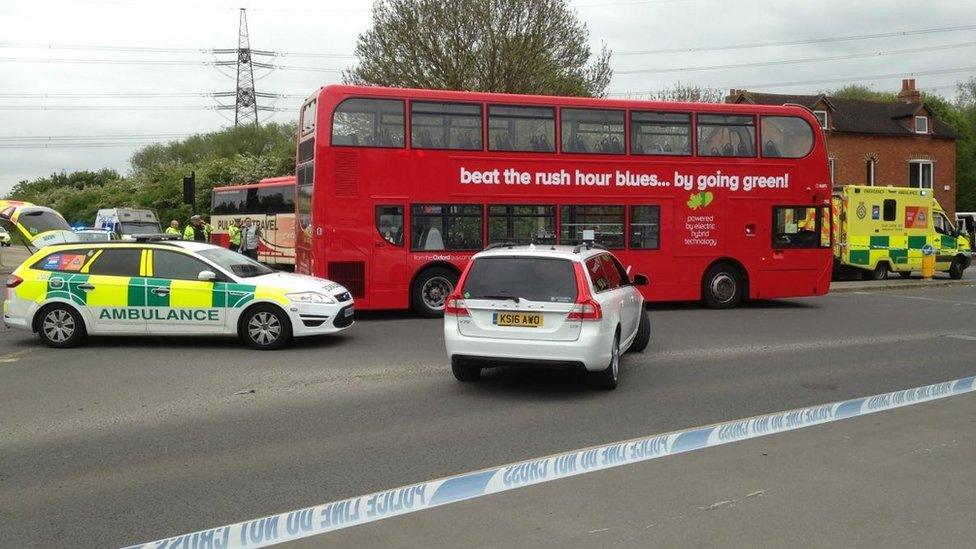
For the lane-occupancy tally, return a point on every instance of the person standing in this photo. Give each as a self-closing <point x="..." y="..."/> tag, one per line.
<point x="197" y="230"/>
<point x="174" y="229"/>
<point x="234" y="234"/>
<point x="250" y="238"/>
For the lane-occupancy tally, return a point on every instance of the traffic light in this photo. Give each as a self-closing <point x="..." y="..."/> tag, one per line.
<point x="190" y="189"/>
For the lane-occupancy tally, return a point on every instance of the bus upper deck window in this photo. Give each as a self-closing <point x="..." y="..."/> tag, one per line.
<point x="726" y="135"/>
<point x="785" y="137"/>
<point x="660" y="133"/>
<point x="368" y="123"/>
<point x="512" y="128"/>
<point x="593" y="131"/>
<point x="445" y="126"/>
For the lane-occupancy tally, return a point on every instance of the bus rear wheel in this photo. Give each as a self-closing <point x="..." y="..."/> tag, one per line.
<point x="430" y="291"/>
<point x="722" y="287"/>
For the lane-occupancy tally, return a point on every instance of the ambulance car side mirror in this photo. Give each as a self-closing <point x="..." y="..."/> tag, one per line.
<point x="641" y="280"/>
<point x="207" y="276"/>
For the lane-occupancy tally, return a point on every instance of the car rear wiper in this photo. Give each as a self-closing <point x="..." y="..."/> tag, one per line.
<point x="514" y="298"/>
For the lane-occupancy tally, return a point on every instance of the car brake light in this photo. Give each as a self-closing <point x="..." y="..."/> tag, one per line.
<point x="455" y="306"/>
<point x="586" y="310"/>
<point x="586" y="307"/>
<point x="13" y="281"/>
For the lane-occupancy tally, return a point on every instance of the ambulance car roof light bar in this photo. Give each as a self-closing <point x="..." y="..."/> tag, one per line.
<point x="155" y="237"/>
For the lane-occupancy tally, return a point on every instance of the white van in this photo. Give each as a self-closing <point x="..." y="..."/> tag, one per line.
<point x="128" y="222"/>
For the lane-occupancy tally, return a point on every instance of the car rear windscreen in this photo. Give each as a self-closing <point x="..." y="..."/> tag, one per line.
<point x="530" y="278"/>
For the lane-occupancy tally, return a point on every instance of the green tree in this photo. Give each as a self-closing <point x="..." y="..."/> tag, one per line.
<point x="860" y="91"/>
<point x="509" y="46"/>
<point x="689" y="93"/>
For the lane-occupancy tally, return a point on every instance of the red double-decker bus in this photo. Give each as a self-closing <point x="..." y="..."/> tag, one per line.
<point x="397" y="188"/>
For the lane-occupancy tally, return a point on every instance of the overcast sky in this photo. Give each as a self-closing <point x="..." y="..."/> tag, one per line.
<point x="331" y="27"/>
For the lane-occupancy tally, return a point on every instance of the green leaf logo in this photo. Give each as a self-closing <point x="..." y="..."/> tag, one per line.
<point x="700" y="200"/>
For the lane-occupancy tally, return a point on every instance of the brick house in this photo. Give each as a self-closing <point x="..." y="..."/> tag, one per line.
<point x="900" y="144"/>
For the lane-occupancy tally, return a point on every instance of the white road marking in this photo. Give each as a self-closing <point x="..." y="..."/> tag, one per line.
<point x="916" y="298"/>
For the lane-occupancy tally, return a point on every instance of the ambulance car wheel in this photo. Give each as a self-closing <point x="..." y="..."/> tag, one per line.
<point x="265" y="327"/>
<point x="956" y="269"/>
<point x="607" y="379"/>
<point x="722" y="287"/>
<point x="643" y="334"/>
<point x="463" y="371"/>
<point x="880" y="272"/>
<point x="905" y="274"/>
<point x="430" y="291"/>
<point x="60" y="326"/>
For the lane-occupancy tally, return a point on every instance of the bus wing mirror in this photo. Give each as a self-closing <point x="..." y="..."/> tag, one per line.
<point x="641" y="280"/>
<point x="207" y="276"/>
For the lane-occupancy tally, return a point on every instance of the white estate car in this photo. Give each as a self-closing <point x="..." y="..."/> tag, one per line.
<point x="545" y="304"/>
<point x="151" y="286"/>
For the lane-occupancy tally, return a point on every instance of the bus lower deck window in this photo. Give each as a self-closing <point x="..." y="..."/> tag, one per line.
<point x="607" y="222"/>
<point x="645" y="227"/>
<point x="522" y="224"/>
<point x="446" y="227"/>
<point x="797" y="227"/>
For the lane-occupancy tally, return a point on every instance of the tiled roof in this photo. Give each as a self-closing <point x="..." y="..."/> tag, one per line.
<point x="856" y="115"/>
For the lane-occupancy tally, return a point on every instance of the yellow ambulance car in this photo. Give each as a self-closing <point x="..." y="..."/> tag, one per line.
<point x="878" y="230"/>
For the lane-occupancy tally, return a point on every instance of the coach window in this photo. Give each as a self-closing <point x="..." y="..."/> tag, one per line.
<point x="726" y="135"/>
<point x="228" y="202"/>
<point x="521" y="128"/>
<point x="645" y="227"/>
<point x="445" y="126"/>
<point x="522" y="224"/>
<point x="607" y="222"/>
<point x="796" y="227"/>
<point x="389" y="223"/>
<point x="368" y="123"/>
<point x="592" y="131"/>
<point x="117" y="262"/>
<point x="446" y="227"/>
<point x="785" y="137"/>
<point x="660" y="133"/>
<point x="275" y="200"/>
<point x="177" y="266"/>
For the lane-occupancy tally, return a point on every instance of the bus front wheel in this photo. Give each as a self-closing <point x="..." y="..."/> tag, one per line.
<point x="722" y="287"/>
<point x="430" y="291"/>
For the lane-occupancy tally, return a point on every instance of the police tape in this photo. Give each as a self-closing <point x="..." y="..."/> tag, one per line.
<point x="328" y="517"/>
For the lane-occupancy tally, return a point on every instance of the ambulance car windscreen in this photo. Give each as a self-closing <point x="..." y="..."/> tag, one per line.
<point x="236" y="263"/>
<point x="37" y="221"/>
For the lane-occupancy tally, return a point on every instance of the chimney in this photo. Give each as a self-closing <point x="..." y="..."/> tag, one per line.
<point x="908" y="93"/>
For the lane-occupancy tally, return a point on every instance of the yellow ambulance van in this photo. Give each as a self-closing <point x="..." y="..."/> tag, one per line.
<point x="878" y="230"/>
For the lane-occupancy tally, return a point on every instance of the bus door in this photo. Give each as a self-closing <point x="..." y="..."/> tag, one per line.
<point x="388" y="276"/>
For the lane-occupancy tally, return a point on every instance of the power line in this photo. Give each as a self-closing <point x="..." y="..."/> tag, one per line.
<point x="170" y="5"/>
<point x="827" y="40"/>
<point x="800" y="60"/>
<point x="137" y="95"/>
<point x="89" y="137"/>
<point x="888" y="76"/>
<point x="123" y="108"/>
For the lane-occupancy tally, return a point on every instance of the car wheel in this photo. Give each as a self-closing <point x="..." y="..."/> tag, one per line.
<point x="60" y="326"/>
<point x="430" y="291"/>
<point x="905" y="274"/>
<point x="265" y="327"/>
<point x="956" y="269"/>
<point x="465" y="372"/>
<point x="607" y="379"/>
<point x="880" y="272"/>
<point x="722" y="287"/>
<point x="643" y="334"/>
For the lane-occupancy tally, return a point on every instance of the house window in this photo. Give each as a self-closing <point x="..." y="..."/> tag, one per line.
<point x="870" y="174"/>
<point x="920" y="174"/>
<point x="821" y="118"/>
<point x="921" y="124"/>
<point x="830" y="163"/>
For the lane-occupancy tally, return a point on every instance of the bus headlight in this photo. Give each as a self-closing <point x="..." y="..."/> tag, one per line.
<point x="310" y="297"/>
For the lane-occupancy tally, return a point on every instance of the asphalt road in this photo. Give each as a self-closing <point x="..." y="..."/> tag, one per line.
<point x="130" y="440"/>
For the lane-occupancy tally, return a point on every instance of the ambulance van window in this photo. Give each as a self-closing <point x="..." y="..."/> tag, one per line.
<point x="177" y="266"/>
<point x="890" y="209"/>
<point x="117" y="262"/>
